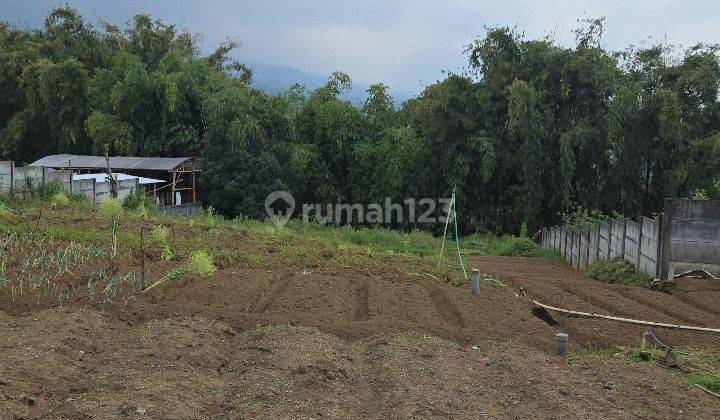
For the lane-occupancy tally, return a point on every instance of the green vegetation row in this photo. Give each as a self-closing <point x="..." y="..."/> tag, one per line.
<point x="533" y="129"/>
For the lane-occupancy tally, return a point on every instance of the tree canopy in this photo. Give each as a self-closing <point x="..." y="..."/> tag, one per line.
<point x="533" y="129"/>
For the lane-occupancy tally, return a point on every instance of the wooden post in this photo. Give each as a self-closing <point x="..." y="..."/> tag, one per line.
<point x="193" y="187"/>
<point x="172" y="199"/>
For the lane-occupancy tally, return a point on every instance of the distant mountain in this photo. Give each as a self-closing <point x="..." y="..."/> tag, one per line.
<point x="273" y="79"/>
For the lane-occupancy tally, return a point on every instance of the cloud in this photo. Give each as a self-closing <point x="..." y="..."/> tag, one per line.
<point x="405" y="43"/>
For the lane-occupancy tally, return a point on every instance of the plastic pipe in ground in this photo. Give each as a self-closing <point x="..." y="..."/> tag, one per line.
<point x="475" y="283"/>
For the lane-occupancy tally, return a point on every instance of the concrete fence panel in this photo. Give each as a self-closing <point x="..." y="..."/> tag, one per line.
<point x="649" y="247"/>
<point x="85" y="187"/>
<point x="583" y="249"/>
<point x="575" y="249"/>
<point x="593" y="248"/>
<point x="631" y="247"/>
<point x="603" y="240"/>
<point x="6" y="177"/>
<point x="690" y="234"/>
<point x="617" y="234"/>
<point x="567" y="246"/>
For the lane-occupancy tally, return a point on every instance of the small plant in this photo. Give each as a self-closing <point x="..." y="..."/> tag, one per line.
<point x="200" y="263"/>
<point x="111" y="209"/>
<point x="616" y="270"/>
<point x="699" y="194"/>
<point x="212" y="216"/>
<point x="523" y="230"/>
<point x="159" y="234"/>
<point x="4" y="209"/>
<point x="59" y="200"/>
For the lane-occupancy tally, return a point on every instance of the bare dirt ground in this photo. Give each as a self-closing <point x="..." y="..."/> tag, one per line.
<point x="338" y="343"/>
<point x="693" y="302"/>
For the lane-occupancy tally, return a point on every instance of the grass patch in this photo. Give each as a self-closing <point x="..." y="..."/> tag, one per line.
<point x="711" y="382"/>
<point x="506" y="246"/>
<point x="617" y="270"/>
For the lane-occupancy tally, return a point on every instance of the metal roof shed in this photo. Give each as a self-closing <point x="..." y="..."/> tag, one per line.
<point x="172" y="169"/>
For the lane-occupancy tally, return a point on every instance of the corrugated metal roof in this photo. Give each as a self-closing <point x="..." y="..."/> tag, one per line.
<point x="116" y="162"/>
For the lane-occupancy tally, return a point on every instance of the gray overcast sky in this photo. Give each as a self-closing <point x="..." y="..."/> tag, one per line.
<point x="405" y="43"/>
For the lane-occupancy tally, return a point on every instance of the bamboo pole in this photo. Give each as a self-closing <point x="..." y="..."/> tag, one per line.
<point x="628" y="320"/>
<point x="447" y="222"/>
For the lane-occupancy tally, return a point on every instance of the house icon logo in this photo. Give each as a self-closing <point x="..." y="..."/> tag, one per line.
<point x="279" y="206"/>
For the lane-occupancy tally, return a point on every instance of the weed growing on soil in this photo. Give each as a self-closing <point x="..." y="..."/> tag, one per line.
<point x="697" y="368"/>
<point x="199" y="263"/>
<point x="59" y="200"/>
<point x="616" y="270"/>
<point x="159" y="235"/>
<point x="711" y="382"/>
<point x="4" y="210"/>
<point x="103" y="288"/>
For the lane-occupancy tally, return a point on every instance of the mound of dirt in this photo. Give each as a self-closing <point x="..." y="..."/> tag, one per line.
<point x="78" y="363"/>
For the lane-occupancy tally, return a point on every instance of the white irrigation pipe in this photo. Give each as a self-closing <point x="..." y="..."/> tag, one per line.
<point x="707" y="390"/>
<point x="628" y="320"/>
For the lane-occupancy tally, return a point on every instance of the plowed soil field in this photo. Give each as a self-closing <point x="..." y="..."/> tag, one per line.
<point x="251" y="343"/>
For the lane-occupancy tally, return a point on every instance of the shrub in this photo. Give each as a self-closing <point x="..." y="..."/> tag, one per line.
<point x="616" y="270"/>
<point x="510" y="246"/>
<point x="49" y="190"/>
<point x="136" y="200"/>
